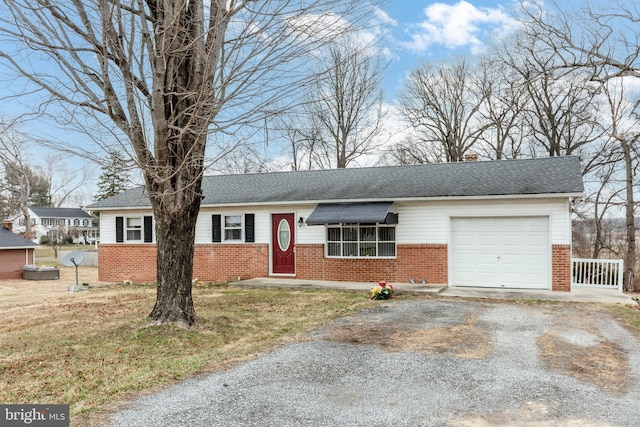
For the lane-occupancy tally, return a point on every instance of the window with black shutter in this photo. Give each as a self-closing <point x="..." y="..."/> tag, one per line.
<point x="249" y="228"/>
<point x="217" y="228"/>
<point x="119" y="229"/>
<point x="148" y="229"/>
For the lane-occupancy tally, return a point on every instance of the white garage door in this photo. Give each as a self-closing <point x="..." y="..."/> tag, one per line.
<point x="510" y="252"/>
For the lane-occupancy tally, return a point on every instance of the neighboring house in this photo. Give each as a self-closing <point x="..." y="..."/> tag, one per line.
<point x="503" y="224"/>
<point x="60" y="222"/>
<point x="15" y="252"/>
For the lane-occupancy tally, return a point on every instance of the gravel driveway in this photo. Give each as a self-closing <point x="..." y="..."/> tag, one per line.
<point x="424" y="363"/>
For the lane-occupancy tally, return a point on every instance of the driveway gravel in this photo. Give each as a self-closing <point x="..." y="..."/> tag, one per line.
<point x="424" y="363"/>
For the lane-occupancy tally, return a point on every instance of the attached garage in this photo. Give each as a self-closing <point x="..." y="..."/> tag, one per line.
<point x="501" y="252"/>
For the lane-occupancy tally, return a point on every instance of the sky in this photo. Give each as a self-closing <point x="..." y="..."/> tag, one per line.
<point x="410" y="32"/>
<point x="425" y="30"/>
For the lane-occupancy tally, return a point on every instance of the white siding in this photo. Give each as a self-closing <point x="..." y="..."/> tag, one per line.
<point x="304" y="234"/>
<point x="419" y="222"/>
<point x="429" y="222"/>
<point x="108" y="223"/>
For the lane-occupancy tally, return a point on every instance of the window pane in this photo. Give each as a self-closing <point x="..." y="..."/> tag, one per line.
<point x="367" y="249"/>
<point x="350" y="234"/>
<point x="334" y="249"/>
<point x="368" y="234"/>
<point x="387" y="234"/>
<point x="134" y="235"/>
<point x="386" y="249"/>
<point x="333" y="234"/>
<point x="233" y="221"/>
<point x="233" y="234"/>
<point x="284" y="235"/>
<point x="134" y="222"/>
<point x="349" y="249"/>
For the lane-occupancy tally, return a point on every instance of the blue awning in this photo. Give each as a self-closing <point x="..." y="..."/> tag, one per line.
<point x="353" y="213"/>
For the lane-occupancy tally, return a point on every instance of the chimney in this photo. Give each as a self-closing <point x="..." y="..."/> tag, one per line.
<point x="8" y="225"/>
<point x="471" y="156"/>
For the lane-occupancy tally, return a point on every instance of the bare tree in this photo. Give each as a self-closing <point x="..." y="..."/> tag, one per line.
<point x="560" y="111"/>
<point x="504" y="101"/>
<point x="168" y="74"/>
<point x="17" y="173"/>
<point x="624" y="132"/>
<point x="344" y="106"/>
<point x="63" y="180"/>
<point x="605" y="44"/>
<point x="443" y="104"/>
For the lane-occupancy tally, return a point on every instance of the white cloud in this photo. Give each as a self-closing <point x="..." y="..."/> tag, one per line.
<point x="384" y="18"/>
<point x="459" y="25"/>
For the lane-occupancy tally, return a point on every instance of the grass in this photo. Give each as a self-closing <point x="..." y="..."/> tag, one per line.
<point x="46" y="251"/>
<point x="96" y="349"/>
<point x="628" y="315"/>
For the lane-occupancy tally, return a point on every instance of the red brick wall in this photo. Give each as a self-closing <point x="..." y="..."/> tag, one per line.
<point x="222" y="262"/>
<point x="118" y="262"/>
<point x="212" y="262"/>
<point x="561" y="267"/>
<point x="312" y="264"/>
<point x="413" y="261"/>
<point x="12" y="261"/>
<point x="425" y="261"/>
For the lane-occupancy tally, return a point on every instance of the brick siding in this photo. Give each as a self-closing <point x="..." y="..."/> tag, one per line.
<point x="223" y="262"/>
<point x="424" y="261"/>
<point x="413" y="261"/>
<point x="12" y="261"/>
<point x="561" y="268"/>
<point x="118" y="262"/>
<point x="212" y="262"/>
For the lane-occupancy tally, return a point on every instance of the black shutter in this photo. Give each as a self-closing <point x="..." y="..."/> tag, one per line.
<point x="249" y="228"/>
<point x="119" y="229"/>
<point x="148" y="229"/>
<point x="217" y="228"/>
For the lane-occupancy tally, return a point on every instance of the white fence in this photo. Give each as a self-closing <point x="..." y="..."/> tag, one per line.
<point x="597" y="273"/>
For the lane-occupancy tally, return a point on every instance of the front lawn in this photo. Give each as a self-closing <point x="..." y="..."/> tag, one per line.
<point x="94" y="348"/>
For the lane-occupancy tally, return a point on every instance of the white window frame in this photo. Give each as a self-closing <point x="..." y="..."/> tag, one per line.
<point x="359" y="244"/>
<point x="233" y="228"/>
<point x="128" y="228"/>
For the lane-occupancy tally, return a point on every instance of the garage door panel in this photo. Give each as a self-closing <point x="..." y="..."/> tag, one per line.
<point x="511" y="252"/>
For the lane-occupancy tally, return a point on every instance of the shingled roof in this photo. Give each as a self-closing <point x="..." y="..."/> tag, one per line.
<point x="10" y="240"/>
<point x="526" y="177"/>
<point x="46" y="212"/>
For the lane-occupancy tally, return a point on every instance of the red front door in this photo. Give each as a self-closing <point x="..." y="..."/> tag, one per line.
<point x="283" y="242"/>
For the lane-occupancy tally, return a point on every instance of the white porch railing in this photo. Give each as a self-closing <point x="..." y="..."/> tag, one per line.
<point x="597" y="273"/>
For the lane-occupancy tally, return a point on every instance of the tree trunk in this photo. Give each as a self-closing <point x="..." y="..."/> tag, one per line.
<point x="630" y="262"/>
<point x="175" y="236"/>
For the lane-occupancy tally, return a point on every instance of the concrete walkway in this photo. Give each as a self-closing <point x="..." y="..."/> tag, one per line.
<point x="607" y="296"/>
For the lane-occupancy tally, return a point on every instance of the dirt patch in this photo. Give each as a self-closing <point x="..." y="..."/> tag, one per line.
<point x="604" y="364"/>
<point x="465" y="340"/>
<point x="531" y="414"/>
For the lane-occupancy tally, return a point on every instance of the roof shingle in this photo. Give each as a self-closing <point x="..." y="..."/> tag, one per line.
<point x="10" y="240"/>
<point x="552" y="175"/>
